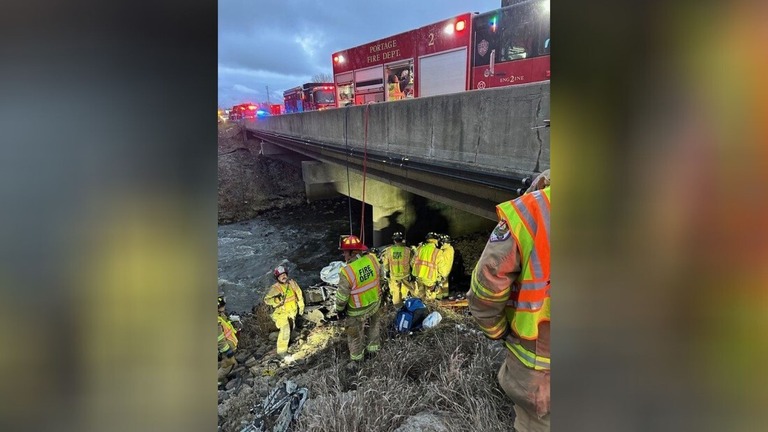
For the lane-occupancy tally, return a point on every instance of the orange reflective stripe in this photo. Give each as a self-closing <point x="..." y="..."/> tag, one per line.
<point x="350" y="274"/>
<point x="529" y="304"/>
<point x="358" y="292"/>
<point x="229" y="331"/>
<point x="430" y="265"/>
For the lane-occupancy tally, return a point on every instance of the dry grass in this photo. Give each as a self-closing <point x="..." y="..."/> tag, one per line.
<point x="449" y="371"/>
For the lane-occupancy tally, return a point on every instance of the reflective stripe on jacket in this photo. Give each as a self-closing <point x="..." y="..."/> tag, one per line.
<point x="528" y="221"/>
<point x="426" y="262"/>
<point x="398" y="260"/>
<point x="292" y="299"/>
<point x="359" y="290"/>
<point x="226" y="335"/>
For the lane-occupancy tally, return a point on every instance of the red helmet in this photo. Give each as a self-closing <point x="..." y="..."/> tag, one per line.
<point x="352" y="243"/>
<point x="278" y="271"/>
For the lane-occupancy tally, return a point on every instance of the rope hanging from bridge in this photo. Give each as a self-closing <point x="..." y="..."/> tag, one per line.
<point x="365" y="159"/>
<point x="365" y="166"/>
<point x="349" y="193"/>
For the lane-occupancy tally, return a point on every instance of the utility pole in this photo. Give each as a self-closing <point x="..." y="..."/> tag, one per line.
<point x="268" y="95"/>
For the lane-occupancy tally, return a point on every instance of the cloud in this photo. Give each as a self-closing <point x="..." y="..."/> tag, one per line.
<point x="243" y="89"/>
<point x="280" y="45"/>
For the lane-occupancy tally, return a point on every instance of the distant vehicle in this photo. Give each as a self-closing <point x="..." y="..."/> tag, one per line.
<point x="275" y="109"/>
<point x="506" y="46"/>
<point x="243" y="111"/>
<point x="309" y="97"/>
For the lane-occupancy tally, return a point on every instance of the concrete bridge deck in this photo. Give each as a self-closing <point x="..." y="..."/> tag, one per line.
<point x="468" y="150"/>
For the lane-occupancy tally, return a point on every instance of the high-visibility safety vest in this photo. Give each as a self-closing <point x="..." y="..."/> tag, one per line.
<point x="394" y="91"/>
<point x="399" y="258"/>
<point x="529" y="303"/>
<point x="290" y="294"/>
<point x="425" y="266"/>
<point x="363" y="277"/>
<point x="229" y="332"/>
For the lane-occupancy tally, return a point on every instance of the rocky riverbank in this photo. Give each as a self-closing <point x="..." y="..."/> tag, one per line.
<point x="250" y="183"/>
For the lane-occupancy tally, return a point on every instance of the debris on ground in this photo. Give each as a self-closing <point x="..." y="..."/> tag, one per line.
<point x="279" y="409"/>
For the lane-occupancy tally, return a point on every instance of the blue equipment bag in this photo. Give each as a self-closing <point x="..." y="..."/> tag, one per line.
<point x="410" y="317"/>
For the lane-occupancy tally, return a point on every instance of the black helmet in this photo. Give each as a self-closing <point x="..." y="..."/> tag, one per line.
<point x="445" y="238"/>
<point x="221" y="302"/>
<point x="432" y="235"/>
<point x="397" y="237"/>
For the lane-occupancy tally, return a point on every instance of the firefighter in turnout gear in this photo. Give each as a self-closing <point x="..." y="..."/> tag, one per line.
<point x="359" y="297"/>
<point x="286" y="298"/>
<point x="447" y="264"/>
<point x="426" y="266"/>
<point x="227" y="342"/>
<point x="510" y="299"/>
<point x="396" y="262"/>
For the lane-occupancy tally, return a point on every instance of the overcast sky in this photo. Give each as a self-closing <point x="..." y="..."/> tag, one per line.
<point x="283" y="43"/>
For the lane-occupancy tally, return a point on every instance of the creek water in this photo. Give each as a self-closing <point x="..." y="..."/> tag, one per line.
<point x="303" y="239"/>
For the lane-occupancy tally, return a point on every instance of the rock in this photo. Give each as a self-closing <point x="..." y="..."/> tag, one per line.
<point x="232" y="384"/>
<point x="250" y="362"/>
<point x="423" y="422"/>
<point x="273" y="336"/>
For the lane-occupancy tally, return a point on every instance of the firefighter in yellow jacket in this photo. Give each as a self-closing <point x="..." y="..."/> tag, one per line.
<point x="446" y="249"/>
<point x="396" y="262"/>
<point x="359" y="297"/>
<point x="510" y="299"/>
<point x="227" y="342"/>
<point x="286" y="298"/>
<point x="426" y="266"/>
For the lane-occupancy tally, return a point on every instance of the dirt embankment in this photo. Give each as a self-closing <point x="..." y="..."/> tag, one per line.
<point x="250" y="183"/>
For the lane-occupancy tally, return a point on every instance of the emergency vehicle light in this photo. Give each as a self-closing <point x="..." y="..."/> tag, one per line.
<point x="251" y="107"/>
<point x="338" y="59"/>
<point x="460" y="25"/>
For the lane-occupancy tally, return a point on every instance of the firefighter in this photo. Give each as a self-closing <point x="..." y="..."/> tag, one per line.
<point x="227" y="343"/>
<point x="447" y="264"/>
<point x="358" y="298"/>
<point x="426" y="265"/>
<point x="286" y="298"/>
<point x="396" y="263"/>
<point x="510" y="298"/>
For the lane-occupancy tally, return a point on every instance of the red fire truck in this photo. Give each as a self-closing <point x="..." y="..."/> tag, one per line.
<point x="309" y="97"/>
<point x="243" y="111"/>
<point x="506" y="46"/>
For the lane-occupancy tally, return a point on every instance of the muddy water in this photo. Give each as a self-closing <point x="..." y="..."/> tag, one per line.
<point x="304" y="239"/>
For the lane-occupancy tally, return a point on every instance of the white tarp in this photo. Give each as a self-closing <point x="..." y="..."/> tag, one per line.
<point x="330" y="273"/>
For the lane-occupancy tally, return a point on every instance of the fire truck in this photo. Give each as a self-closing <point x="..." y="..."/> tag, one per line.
<point x="309" y="97"/>
<point x="243" y="111"/>
<point x="506" y="46"/>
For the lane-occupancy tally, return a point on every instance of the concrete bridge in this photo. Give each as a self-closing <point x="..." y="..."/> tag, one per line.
<point x="468" y="151"/>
